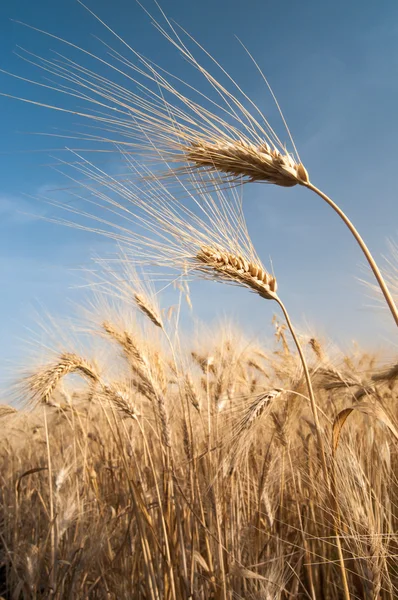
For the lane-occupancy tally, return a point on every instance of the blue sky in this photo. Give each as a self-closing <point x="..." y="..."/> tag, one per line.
<point x="334" y="69"/>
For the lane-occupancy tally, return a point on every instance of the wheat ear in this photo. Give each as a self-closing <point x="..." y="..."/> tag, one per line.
<point x="241" y="159"/>
<point x="148" y="309"/>
<point x="43" y="384"/>
<point x="256" y="409"/>
<point x="142" y="369"/>
<point x="248" y="162"/>
<point x="237" y="269"/>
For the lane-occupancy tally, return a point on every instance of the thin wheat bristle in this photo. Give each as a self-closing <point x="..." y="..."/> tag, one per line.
<point x="148" y="309"/>
<point x="238" y="269"/>
<point x="242" y="159"/>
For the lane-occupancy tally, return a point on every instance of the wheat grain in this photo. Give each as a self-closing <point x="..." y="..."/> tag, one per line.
<point x="41" y="385"/>
<point x="257" y="408"/>
<point x="237" y="269"/>
<point x="245" y="161"/>
<point x="148" y="309"/>
<point x="317" y="348"/>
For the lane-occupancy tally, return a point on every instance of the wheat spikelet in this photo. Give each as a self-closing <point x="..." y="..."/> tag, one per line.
<point x="42" y="385"/>
<point x="241" y="159"/>
<point x="148" y="309"/>
<point x="127" y="342"/>
<point x="257" y="408"/>
<point x="190" y="392"/>
<point x="6" y="410"/>
<point x="121" y="400"/>
<point x="237" y="269"/>
<point x="317" y="348"/>
<point x="387" y="374"/>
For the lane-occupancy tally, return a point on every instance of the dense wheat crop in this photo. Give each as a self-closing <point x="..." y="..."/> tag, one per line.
<point x="197" y="473"/>
<point x="167" y="467"/>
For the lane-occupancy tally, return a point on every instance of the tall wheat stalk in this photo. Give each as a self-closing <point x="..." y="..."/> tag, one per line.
<point x="235" y="268"/>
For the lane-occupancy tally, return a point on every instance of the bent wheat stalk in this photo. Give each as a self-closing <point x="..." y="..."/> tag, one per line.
<point x="372" y="263"/>
<point x="225" y="265"/>
<point x="261" y="163"/>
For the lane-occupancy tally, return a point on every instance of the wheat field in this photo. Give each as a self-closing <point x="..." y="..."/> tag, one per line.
<point x="154" y="464"/>
<point x="198" y="474"/>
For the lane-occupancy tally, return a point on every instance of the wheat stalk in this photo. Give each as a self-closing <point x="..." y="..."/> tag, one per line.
<point x="234" y="268"/>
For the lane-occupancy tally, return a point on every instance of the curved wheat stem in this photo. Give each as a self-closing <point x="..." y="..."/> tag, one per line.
<point x="236" y="268"/>
<point x="309" y="387"/>
<point x="251" y="163"/>
<point x="372" y="263"/>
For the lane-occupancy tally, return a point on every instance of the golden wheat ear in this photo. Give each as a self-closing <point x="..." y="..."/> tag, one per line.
<point x="237" y="269"/>
<point x="42" y="384"/>
<point x="148" y="309"/>
<point x="245" y="161"/>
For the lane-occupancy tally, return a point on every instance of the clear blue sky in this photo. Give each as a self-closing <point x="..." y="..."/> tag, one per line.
<point x="334" y="69"/>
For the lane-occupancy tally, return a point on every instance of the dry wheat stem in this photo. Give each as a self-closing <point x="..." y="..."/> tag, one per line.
<point x="321" y="446"/>
<point x="310" y="389"/>
<point x="255" y="277"/>
<point x="372" y="263"/>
